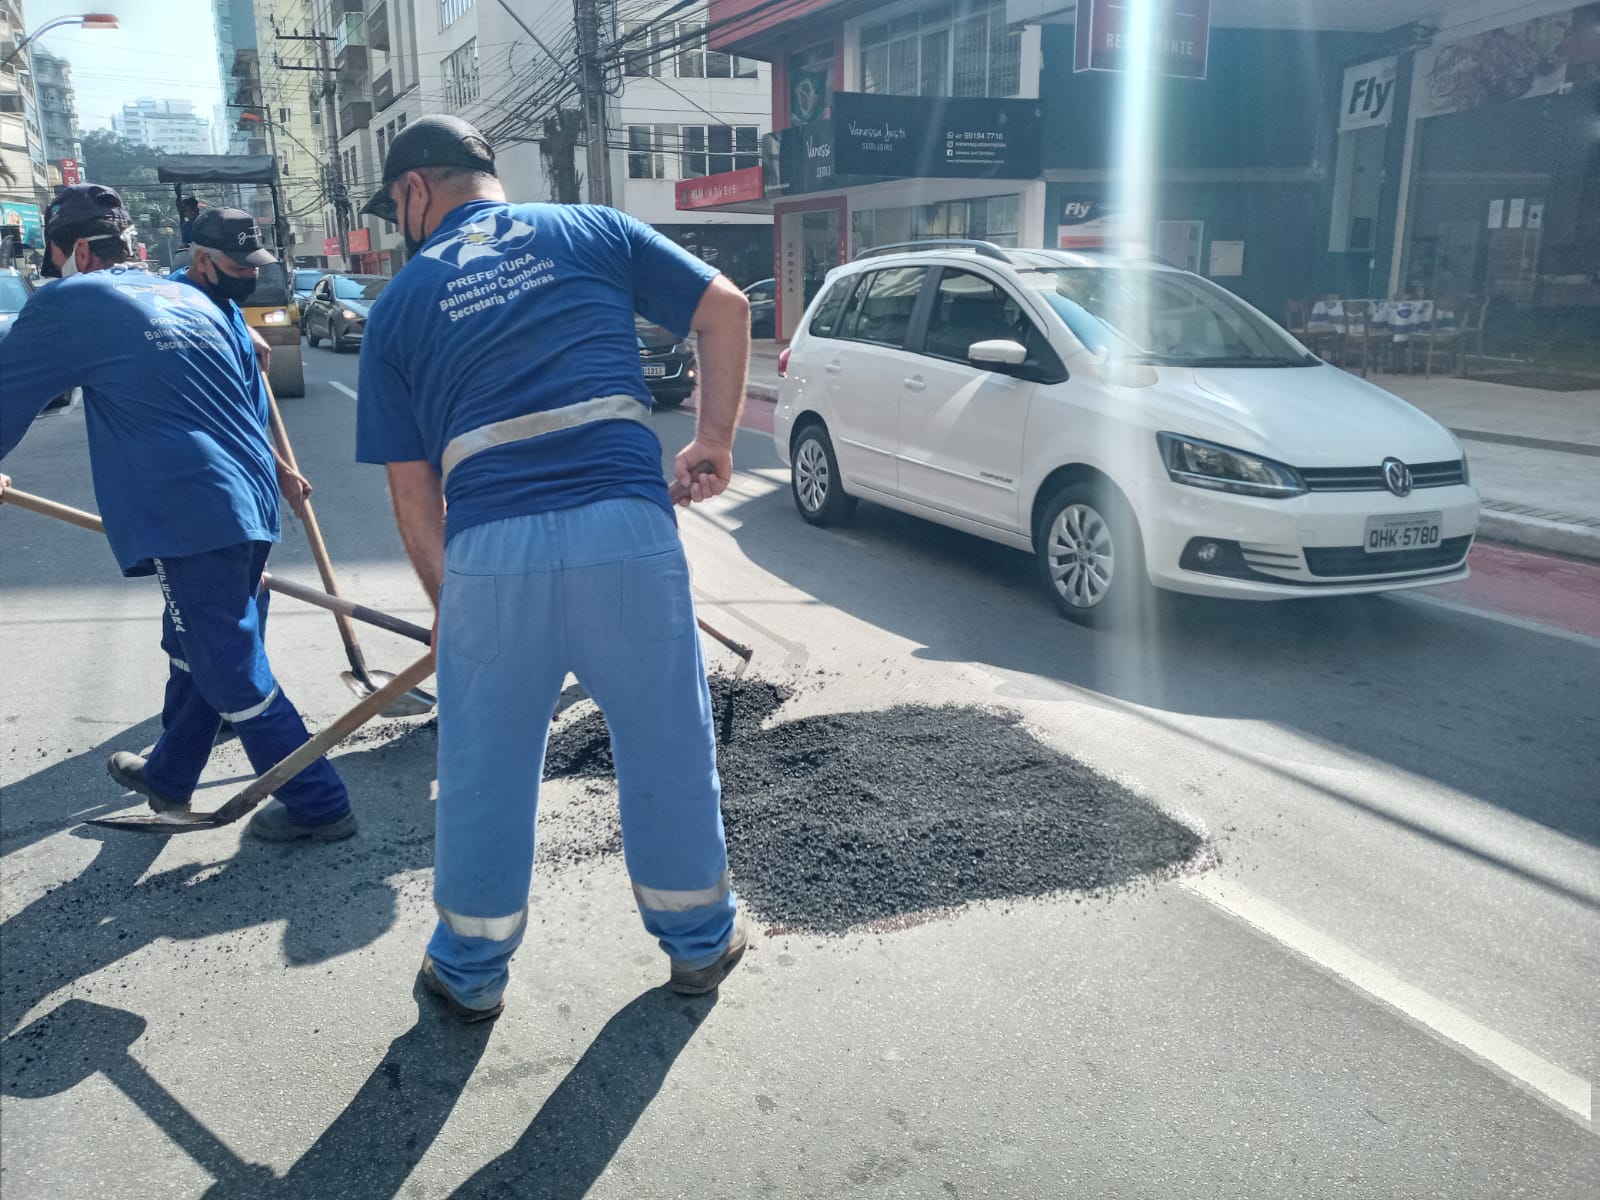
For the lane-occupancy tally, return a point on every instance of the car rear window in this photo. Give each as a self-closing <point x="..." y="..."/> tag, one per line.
<point x="881" y="311"/>
<point x="826" y="322"/>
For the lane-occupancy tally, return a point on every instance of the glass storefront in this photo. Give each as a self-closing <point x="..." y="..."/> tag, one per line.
<point x="996" y="219"/>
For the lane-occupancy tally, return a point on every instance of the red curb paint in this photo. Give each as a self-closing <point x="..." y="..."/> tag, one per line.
<point x="1556" y="591"/>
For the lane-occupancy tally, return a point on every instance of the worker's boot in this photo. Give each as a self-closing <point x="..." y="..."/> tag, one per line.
<point x="274" y="824"/>
<point x="128" y="770"/>
<point x="696" y="981"/>
<point x="429" y="978"/>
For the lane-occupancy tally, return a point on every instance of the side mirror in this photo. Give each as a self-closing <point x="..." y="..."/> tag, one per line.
<point x="1001" y="352"/>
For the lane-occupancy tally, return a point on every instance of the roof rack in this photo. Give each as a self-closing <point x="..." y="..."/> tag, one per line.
<point x="982" y="249"/>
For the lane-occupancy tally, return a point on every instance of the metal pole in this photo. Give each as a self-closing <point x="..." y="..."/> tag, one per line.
<point x="594" y="101"/>
<point x="341" y="197"/>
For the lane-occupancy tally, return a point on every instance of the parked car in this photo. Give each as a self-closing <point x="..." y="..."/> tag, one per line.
<point x="763" y="297"/>
<point x="338" y="308"/>
<point x="668" y="363"/>
<point x="1129" y="423"/>
<point x="15" y="290"/>
<point x="305" y="278"/>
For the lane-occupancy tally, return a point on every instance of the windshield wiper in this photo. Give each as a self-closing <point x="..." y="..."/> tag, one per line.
<point x="1238" y="360"/>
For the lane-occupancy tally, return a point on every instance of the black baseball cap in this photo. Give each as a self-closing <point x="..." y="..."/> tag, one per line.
<point x="233" y="232"/>
<point x="81" y="204"/>
<point x="434" y="141"/>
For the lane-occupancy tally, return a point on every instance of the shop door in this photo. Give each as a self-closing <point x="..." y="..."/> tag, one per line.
<point x="810" y="244"/>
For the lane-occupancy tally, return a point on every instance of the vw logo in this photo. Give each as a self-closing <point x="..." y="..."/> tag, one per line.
<point x="1397" y="477"/>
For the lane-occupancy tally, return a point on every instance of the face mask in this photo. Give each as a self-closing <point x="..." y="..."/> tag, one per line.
<point x="413" y="244"/>
<point x="70" y="267"/>
<point x="231" y="287"/>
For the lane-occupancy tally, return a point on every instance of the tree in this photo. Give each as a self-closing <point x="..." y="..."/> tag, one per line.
<point x="130" y="168"/>
<point x="558" y="149"/>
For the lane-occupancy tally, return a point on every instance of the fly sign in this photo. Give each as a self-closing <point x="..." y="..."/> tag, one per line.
<point x="1367" y="100"/>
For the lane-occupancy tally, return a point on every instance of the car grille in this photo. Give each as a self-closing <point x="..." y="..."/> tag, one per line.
<point x="1340" y="561"/>
<point x="1370" y="479"/>
<point x="659" y="352"/>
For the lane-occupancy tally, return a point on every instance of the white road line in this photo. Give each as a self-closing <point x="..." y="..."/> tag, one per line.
<point x="348" y="391"/>
<point x="1571" y="1092"/>
<point x="1489" y="614"/>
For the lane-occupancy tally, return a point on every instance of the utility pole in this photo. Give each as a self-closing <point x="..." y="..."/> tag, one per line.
<point x="593" y="84"/>
<point x="337" y="190"/>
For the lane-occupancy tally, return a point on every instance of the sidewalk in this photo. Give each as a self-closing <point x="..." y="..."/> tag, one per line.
<point x="1534" y="455"/>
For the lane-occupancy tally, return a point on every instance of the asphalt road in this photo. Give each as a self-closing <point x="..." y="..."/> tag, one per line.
<point x="1377" y="977"/>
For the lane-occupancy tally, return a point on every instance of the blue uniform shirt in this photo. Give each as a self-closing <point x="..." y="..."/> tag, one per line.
<point x="521" y="308"/>
<point x="174" y="404"/>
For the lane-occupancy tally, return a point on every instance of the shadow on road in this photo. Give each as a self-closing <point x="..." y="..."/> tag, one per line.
<point x="579" y="1129"/>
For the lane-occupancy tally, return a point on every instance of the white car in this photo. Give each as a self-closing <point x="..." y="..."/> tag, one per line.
<point x="1129" y="423"/>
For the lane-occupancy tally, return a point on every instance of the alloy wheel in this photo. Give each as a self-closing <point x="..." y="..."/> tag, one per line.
<point x="1081" y="556"/>
<point x="811" y="475"/>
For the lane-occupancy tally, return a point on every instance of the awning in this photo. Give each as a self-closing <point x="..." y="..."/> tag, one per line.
<point x="218" y="168"/>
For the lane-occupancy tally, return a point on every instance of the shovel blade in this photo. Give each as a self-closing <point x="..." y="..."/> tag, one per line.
<point x="162" y="823"/>
<point x="414" y="703"/>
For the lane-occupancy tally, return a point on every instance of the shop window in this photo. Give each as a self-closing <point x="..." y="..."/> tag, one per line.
<point x="713" y="149"/>
<point x="945" y="50"/>
<point x="647" y="157"/>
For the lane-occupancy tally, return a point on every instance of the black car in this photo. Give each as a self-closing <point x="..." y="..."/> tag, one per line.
<point x="338" y="308"/>
<point x="668" y="361"/>
<point x="763" y="297"/>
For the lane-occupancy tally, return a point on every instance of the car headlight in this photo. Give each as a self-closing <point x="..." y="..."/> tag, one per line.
<point x="1207" y="465"/>
<point x="348" y="315"/>
<point x="275" y="316"/>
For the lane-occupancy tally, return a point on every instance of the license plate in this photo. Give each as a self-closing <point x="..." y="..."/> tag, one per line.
<point x="655" y="371"/>
<point x="1411" y="531"/>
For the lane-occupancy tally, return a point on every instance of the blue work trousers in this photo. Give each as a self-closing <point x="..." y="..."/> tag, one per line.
<point x="211" y="631"/>
<point x="601" y="591"/>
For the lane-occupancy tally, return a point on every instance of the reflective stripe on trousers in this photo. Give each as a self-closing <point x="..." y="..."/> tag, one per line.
<point x="664" y="900"/>
<point x="494" y="929"/>
<point x="532" y="425"/>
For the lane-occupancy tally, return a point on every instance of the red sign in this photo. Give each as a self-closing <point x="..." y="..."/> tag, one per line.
<point x="330" y="247"/>
<point x="730" y="187"/>
<point x="70" y="174"/>
<point x="1181" y="30"/>
<point x="360" y="241"/>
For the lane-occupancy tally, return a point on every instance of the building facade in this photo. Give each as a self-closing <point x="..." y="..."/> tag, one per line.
<point x="1446" y="150"/>
<point x="234" y="22"/>
<point x="24" y="170"/>
<point x="285" y="79"/>
<point x="169" y="125"/>
<point x="58" y="112"/>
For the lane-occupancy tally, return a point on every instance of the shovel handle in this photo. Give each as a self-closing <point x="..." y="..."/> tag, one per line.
<point x="353" y="719"/>
<point x="49" y="508"/>
<point x="349" y="608"/>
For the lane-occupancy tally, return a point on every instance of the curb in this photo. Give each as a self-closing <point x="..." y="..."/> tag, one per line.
<point x="1539" y="533"/>
<point x="762" y="391"/>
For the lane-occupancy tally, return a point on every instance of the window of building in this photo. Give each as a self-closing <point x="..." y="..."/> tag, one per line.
<point x="451" y="11"/>
<point x="383" y="143"/>
<point x="713" y="149"/>
<point x="642" y="54"/>
<point x="696" y="59"/>
<point x="460" y="71"/>
<point x="952" y="49"/>
<point x="647" y="144"/>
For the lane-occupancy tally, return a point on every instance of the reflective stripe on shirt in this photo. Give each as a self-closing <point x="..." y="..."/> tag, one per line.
<point x="532" y="425"/>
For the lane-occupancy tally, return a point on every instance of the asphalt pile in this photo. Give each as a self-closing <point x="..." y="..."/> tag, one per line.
<point x="871" y="818"/>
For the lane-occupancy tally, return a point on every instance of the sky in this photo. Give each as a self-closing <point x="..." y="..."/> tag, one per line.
<point x="165" y="49"/>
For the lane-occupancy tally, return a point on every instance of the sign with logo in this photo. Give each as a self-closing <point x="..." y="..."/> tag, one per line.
<point x="26" y="217"/>
<point x="330" y="247"/>
<point x="1367" y="100"/>
<point x="729" y="187"/>
<point x="70" y="174"/>
<point x="1104" y="38"/>
<point x="916" y="137"/>
<point x="360" y="241"/>
<point x="1086" y="225"/>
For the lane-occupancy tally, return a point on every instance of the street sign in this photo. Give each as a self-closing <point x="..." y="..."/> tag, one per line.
<point x="1181" y="30"/>
<point x="70" y="173"/>
<point x="330" y="247"/>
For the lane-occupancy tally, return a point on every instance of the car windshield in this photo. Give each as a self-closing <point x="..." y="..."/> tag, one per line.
<point x="272" y="288"/>
<point x="359" y="287"/>
<point x="1167" y="318"/>
<point x="304" y="281"/>
<point x="13" y="293"/>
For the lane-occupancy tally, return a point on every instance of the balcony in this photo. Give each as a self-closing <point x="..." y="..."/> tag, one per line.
<point x="355" y="109"/>
<point x="350" y="44"/>
<point x="378" y="26"/>
<point x="383" y="91"/>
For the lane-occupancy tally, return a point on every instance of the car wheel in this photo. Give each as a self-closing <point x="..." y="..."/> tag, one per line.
<point x="311" y="338"/>
<point x="814" y="479"/>
<point x="1091" y="556"/>
<point x="338" y="342"/>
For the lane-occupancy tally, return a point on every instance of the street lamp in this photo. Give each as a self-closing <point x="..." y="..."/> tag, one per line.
<point x="86" y="20"/>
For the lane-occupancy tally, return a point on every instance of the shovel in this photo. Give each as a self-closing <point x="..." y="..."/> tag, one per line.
<point x="358" y="678"/>
<point x="249" y="797"/>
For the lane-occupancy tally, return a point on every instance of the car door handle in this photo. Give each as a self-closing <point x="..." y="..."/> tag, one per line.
<point x="915" y="384"/>
<point x="833" y="368"/>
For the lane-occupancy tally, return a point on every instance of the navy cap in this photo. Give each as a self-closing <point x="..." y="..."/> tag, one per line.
<point x="234" y="233"/>
<point x="432" y="141"/>
<point x="82" y="203"/>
